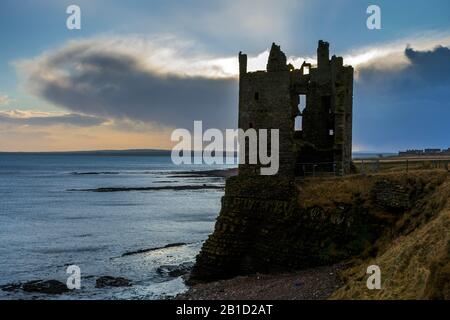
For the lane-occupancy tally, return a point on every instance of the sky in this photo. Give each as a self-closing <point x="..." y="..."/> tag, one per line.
<point x="137" y="70"/>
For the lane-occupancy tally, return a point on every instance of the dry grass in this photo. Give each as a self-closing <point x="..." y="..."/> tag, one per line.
<point x="327" y="192"/>
<point x="415" y="265"/>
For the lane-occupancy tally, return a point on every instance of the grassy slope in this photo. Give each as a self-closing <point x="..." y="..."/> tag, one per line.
<point x="414" y="257"/>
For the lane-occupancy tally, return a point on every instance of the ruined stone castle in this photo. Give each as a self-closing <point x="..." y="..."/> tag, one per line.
<point x="261" y="226"/>
<point x="311" y="107"/>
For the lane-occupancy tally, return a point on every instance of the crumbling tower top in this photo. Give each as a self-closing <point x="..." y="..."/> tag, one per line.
<point x="323" y="54"/>
<point x="277" y="59"/>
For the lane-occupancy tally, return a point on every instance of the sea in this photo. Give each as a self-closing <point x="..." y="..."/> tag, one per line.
<point x="49" y="221"/>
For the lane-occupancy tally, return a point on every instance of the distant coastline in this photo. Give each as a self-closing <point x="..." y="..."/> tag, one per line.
<point x="162" y="152"/>
<point x="127" y="152"/>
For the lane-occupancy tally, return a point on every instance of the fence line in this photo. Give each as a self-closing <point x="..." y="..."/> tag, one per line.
<point x="366" y="166"/>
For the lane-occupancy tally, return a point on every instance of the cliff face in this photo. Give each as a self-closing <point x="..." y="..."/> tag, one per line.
<point x="271" y="224"/>
<point x="236" y="245"/>
<point x="416" y="265"/>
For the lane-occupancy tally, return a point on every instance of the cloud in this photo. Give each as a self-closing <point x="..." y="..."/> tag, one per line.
<point x="425" y="72"/>
<point x="4" y="99"/>
<point x="36" y="118"/>
<point x="399" y="109"/>
<point x="430" y="68"/>
<point x="162" y="81"/>
<point x="160" y="55"/>
<point x="388" y="56"/>
<point x="115" y="78"/>
<point x="139" y="82"/>
<point x="391" y="56"/>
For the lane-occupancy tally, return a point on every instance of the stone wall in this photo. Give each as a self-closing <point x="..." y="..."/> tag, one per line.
<point x="392" y="195"/>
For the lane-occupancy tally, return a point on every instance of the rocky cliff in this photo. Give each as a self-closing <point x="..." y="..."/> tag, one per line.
<point x="270" y="225"/>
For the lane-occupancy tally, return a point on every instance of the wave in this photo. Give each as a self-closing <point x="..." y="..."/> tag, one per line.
<point x="92" y="173"/>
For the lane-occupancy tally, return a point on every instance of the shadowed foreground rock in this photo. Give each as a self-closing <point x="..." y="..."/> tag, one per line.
<point x="45" y="286"/>
<point x="37" y="286"/>
<point x="108" y="281"/>
<point x="175" y="270"/>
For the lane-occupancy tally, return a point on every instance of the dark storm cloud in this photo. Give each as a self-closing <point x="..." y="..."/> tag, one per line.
<point x="404" y="108"/>
<point x="394" y="108"/>
<point x="432" y="67"/>
<point x="426" y="69"/>
<point x="115" y="85"/>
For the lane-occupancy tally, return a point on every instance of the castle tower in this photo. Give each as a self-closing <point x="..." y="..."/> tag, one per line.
<point x="265" y="103"/>
<point x="270" y="100"/>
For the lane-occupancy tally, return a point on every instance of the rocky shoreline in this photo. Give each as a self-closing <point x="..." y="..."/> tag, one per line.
<point x="49" y="288"/>
<point x="55" y="287"/>
<point x="310" y="284"/>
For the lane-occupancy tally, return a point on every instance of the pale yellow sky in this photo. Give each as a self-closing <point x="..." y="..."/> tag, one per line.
<point x="70" y="138"/>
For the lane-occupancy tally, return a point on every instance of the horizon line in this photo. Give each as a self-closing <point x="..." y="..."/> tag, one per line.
<point x="153" y="150"/>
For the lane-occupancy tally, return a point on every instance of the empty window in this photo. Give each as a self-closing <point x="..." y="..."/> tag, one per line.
<point x="302" y="102"/>
<point x="256" y="96"/>
<point x="298" y="123"/>
<point x="301" y="107"/>
<point x="305" y="69"/>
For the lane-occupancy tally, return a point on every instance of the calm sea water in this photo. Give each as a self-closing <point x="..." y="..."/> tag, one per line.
<point x="44" y="227"/>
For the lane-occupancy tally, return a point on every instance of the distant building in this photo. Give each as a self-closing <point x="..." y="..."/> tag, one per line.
<point x="411" y="152"/>
<point x="429" y="151"/>
<point x="432" y="151"/>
